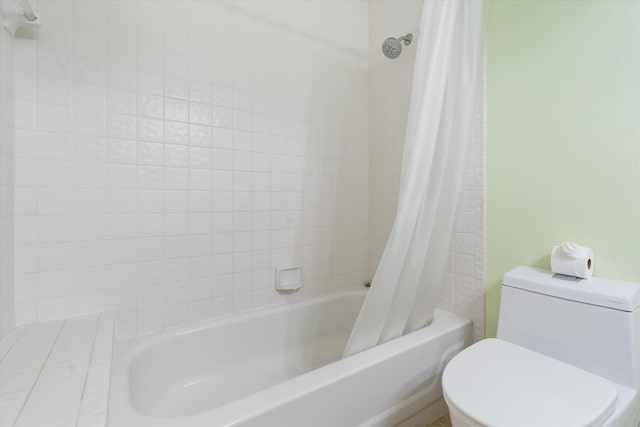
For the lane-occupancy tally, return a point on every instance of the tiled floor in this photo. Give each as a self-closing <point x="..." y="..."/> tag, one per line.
<point x="443" y="421"/>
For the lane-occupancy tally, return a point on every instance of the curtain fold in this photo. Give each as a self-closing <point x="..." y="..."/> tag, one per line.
<point x="406" y="286"/>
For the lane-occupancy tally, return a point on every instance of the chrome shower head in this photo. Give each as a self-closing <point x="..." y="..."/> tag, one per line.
<point x="392" y="47"/>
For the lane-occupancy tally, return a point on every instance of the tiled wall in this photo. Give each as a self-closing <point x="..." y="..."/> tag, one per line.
<point x="6" y="181"/>
<point x="390" y="88"/>
<point x="171" y="153"/>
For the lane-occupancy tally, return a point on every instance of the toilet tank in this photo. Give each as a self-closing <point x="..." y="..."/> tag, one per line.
<point x="592" y="324"/>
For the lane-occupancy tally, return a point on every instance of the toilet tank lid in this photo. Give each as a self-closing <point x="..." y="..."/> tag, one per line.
<point x="609" y="293"/>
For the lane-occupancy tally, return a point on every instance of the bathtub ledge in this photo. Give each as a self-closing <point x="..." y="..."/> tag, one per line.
<point x="57" y="373"/>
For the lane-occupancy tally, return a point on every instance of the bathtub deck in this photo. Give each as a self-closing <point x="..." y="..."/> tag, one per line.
<point x="57" y="373"/>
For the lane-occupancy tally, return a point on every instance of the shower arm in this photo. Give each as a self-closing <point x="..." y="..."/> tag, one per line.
<point x="27" y="10"/>
<point x="18" y="14"/>
<point x="406" y="40"/>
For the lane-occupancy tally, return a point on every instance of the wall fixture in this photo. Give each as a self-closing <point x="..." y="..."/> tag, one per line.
<point x="18" y="14"/>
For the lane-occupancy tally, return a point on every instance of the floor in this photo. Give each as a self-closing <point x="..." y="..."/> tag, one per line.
<point x="443" y="421"/>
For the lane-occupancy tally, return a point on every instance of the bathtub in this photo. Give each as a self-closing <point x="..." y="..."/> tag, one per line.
<point x="281" y="367"/>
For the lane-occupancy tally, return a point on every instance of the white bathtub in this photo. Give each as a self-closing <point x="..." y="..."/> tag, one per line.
<point x="281" y="367"/>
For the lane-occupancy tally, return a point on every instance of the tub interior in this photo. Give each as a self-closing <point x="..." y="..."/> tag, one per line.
<point x="187" y="373"/>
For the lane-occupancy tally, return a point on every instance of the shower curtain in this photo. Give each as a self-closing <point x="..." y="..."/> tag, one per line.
<point x="406" y="286"/>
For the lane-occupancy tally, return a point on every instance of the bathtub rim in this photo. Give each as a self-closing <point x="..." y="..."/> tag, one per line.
<point x="264" y="400"/>
<point x="133" y="346"/>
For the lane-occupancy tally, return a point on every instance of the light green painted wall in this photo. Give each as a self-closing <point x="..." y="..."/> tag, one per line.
<point x="563" y="120"/>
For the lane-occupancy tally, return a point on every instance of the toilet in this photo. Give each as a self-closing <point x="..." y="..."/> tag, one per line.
<point x="567" y="353"/>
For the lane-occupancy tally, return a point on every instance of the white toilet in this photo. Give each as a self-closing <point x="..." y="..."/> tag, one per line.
<point x="567" y="354"/>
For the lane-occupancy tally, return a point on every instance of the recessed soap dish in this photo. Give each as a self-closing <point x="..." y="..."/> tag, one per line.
<point x="289" y="278"/>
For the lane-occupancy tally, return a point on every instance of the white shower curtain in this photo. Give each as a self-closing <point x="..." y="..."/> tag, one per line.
<point x="406" y="286"/>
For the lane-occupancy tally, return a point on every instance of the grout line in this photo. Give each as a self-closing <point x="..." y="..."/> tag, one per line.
<point x="86" y="377"/>
<point x="37" y="162"/>
<point x="24" y="329"/>
<point x="163" y="236"/>
<point x="136" y="139"/>
<point x="44" y="363"/>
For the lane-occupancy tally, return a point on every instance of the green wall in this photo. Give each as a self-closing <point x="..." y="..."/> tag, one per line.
<point x="563" y="143"/>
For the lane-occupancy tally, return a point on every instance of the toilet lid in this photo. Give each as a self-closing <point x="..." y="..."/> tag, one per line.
<point x="496" y="383"/>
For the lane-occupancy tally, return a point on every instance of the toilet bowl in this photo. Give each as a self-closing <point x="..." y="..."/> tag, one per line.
<point x="566" y="355"/>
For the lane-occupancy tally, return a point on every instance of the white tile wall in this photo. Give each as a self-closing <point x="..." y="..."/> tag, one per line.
<point x="7" y="148"/>
<point x="171" y="153"/>
<point x="390" y="88"/>
<point x="164" y="170"/>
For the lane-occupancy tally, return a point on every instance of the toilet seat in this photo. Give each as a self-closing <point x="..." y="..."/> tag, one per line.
<point x="496" y="383"/>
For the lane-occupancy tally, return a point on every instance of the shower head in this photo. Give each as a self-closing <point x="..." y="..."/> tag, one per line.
<point x="392" y="47"/>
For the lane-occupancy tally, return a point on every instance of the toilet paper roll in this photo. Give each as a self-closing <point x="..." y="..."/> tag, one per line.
<point x="572" y="259"/>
